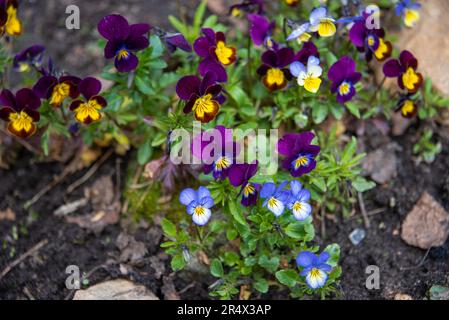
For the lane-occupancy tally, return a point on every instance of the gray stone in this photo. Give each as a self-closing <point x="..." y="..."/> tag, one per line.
<point x="115" y="290"/>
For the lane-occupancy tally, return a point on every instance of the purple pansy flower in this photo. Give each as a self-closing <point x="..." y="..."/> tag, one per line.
<point x="246" y="6"/>
<point x="20" y="111"/>
<point x="239" y="175"/>
<point x="261" y="30"/>
<point x="29" y="58"/>
<point x="175" y="41"/>
<point x="274" y="70"/>
<point x="371" y="41"/>
<point x="203" y="97"/>
<point x="316" y="268"/>
<point x="276" y="197"/>
<point x="123" y="41"/>
<point x="308" y="50"/>
<point x="300" y="154"/>
<point x="87" y="111"/>
<point x="218" y="155"/>
<point x="405" y="70"/>
<point x="56" y="90"/>
<point x="216" y="54"/>
<point x="344" y="77"/>
<point x="198" y="204"/>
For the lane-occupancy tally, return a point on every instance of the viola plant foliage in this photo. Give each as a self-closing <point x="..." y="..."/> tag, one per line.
<point x="299" y="67"/>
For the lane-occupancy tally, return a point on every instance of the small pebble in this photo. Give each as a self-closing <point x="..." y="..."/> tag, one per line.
<point x="357" y="236"/>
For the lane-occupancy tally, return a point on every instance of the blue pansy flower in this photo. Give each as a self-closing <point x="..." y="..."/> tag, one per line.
<point x="299" y="201"/>
<point x="409" y="10"/>
<point x="276" y="197"/>
<point x="198" y="204"/>
<point x="319" y="21"/>
<point x="315" y="268"/>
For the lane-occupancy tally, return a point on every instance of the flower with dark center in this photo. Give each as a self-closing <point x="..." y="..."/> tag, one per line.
<point x="9" y="22"/>
<point x="29" y="58"/>
<point x="203" y="97"/>
<point x="299" y="153"/>
<point x="315" y="268"/>
<point x="239" y="176"/>
<point x="344" y="77"/>
<point x="87" y="111"/>
<point x="20" y="111"/>
<point x="215" y="54"/>
<point x="56" y="90"/>
<point x="274" y="69"/>
<point x="198" y="204"/>
<point x="405" y="70"/>
<point x="407" y="106"/>
<point x="123" y="41"/>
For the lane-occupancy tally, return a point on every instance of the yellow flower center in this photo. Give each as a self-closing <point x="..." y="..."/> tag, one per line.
<point x="273" y="202"/>
<point x="60" y="92"/>
<point x="410" y="79"/>
<point x="275" y="77"/>
<point x="21" y="122"/>
<point x="371" y="41"/>
<point x="222" y="163"/>
<point x="312" y="84"/>
<point x="344" y="88"/>
<point x="315" y="273"/>
<point x="291" y="2"/>
<point x="411" y="17"/>
<point x="205" y="106"/>
<point x="199" y="211"/>
<point x="225" y="54"/>
<point x="123" y="54"/>
<point x="408" y="108"/>
<point x="13" y="25"/>
<point x="382" y="50"/>
<point x="236" y="12"/>
<point x="248" y="190"/>
<point x="297" y="206"/>
<point x="88" y="112"/>
<point x="24" y="67"/>
<point x="301" y="161"/>
<point x="326" y="28"/>
<point x="305" y="37"/>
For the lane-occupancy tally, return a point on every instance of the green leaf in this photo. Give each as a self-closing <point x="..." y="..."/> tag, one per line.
<point x="144" y="153"/>
<point x="169" y="228"/>
<point x="261" y="285"/>
<point x="353" y="109"/>
<point x="231" y="234"/>
<point x="319" y="112"/>
<point x="178" y="262"/>
<point x="177" y="24"/>
<point x="144" y="87"/>
<point x="199" y="15"/>
<point x="362" y="185"/>
<point x="236" y="213"/>
<point x="301" y="230"/>
<point x="334" y="252"/>
<point x="349" y="151"/>
<point x="216" y="268"/>
<point x="287" y="277"/>
<point x="271" y="264"/>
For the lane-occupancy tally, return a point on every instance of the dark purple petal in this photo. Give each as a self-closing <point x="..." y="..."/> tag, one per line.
<point x="408" y="60"/>
<point x="35" y="115"/>
<point x="99" y="100"/>
<point x="263" y="69"/>
<point x="139" y="29"/>
<point x="237" y="174"/>
<point x="341" y="69"/>
<point x="285" y="57"/>
<point x="5" y="112"/>
<point x="44" y="85"/>
<point x="114" y="27"/>
<point x="214" y="90"/>
<point x="201" y="47"/>
<point x="178" y="41"/>
<point x="191" y="102"/>
<point x="270" y="58"/>
<point x="127" y="64"/>
<point x="309" y="49"/>
<point x="90" y="87"/>
<point x="137" y="43"/>
<point x="187" y="86"/>
<point x="111" y="48"/>
<point x="210" y="34"/>
<point x="260" y="28"/>
<point x="7" y="99"/>
<point x="75" y="104"/>
<point x="357" y="34"/>
<point x="392" y="69"/>
<point x="220" y="36"/>
<point x="209" y="65"/>
<point x="209" y="80"/>
<point x="27" y="99"/>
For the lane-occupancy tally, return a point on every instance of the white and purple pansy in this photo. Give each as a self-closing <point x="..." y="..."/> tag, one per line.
<point x="198" y="204"/>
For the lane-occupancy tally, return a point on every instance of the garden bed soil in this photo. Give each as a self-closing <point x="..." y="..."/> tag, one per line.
<point x="42" y="275"/>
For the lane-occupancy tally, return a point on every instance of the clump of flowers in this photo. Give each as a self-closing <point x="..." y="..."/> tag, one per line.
<point x="123" y="41"/>
<point x="20" y="111"/>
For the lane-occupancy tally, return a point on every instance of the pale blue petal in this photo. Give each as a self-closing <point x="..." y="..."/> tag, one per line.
<point x="296" y="68"/>
<point x="296" y="187"/>
<point x="187" y="196"/>
<point x="317" y="15"/>
<point x="203" y="192"/>
<point x="268" y="190"/>
<point x="207" y="202"/>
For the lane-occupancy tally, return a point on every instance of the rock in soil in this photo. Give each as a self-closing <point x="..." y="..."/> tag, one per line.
<point x="381" y="163"/>
<point x="427" y="225"/>
<point x="116" y="290"/>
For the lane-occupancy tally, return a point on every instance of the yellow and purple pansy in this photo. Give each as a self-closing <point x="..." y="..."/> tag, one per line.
<point x="261" y="30"/>
<point x="29" y="58"/>
<point x="274" y="70"/>
<point x="20" y="112"/>
<point x="298" y="201"/>
<point x="56" y="90"/>
<point x="299" y="153"/>
<point x="409" y="11"/>
<point x="344" y="77"/>
<point x="203" y="97"/>
<point x="87" y="111"/>
<point x="239" y="176"/>
<point x="407" y="107"/>
<point x="370" y="41"/>
<point x="315" y="268"/>
<point x="123" y="41"/>
<point x="319" y="21"/>
<point x="9" y="22"/>
<point x="276" y="197"/>
<point x="198" y="203"/>
<point x="405" y="70"/>
<point x="215" y="53"/>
